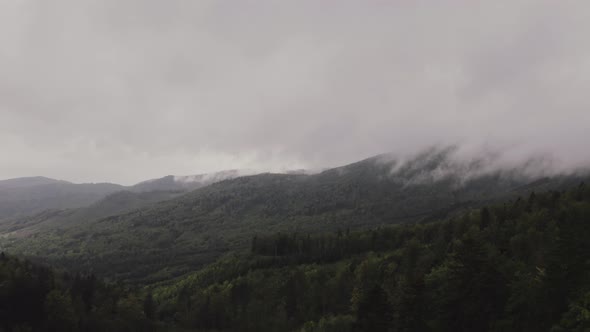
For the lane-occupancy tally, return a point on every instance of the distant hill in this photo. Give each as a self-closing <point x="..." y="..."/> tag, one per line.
<point x="188" y="182"/>
<point x="27" y="182"/>
<point x="27" y="196"/>
<point x="22" y="197"/>
<point x="178" y="235"/>
<point x="112" y="204"/>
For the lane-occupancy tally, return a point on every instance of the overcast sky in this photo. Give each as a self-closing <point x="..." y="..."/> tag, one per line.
<point x="125" y="90"/>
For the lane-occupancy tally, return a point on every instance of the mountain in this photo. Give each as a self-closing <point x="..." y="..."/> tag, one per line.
<point x="188" y="182"/>
<point x="24" y="197"/>
<point x="112" y="204"/>
<point x="27" y="182"/>
<point x="176" y="236"/>
<point x="27" y="196"/>
<point x="515" y="266"/>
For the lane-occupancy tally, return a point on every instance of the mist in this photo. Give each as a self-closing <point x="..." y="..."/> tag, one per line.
<point x="124" y="91"/>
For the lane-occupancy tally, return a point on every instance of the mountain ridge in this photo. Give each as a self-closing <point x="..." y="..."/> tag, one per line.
<point x="29" y="196"/>
<point x="175" y="236"/>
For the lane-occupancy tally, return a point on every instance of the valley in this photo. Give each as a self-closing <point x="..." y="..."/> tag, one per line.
<point x="367" y="246"/>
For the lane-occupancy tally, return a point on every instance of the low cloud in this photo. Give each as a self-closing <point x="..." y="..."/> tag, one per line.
<point x="460" y="165"/>
<point x="132" y="89"/>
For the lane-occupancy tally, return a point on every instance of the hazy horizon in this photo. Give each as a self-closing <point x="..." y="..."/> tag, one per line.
<point x="124" y="91"/>
<point x="471" y="161"/>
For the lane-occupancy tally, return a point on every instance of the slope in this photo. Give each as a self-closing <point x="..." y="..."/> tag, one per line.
<point x="517" y="266"/>
<point x="188" y="182"/>
<point x="27" y="196"/>
<point x="59" y="220"/>
<point x="38" y="298"/>
<point x="177" y="236"/>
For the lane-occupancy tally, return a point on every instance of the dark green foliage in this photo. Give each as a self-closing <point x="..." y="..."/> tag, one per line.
<point x="180" y="235"/>
<point x="373" y="311"/>
<point x="522" y="266"/>
<point x="325" y="255"/>
<point x="36" y="298"/>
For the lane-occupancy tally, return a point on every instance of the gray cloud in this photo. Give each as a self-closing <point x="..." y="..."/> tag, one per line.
<point x="131" y="89"/>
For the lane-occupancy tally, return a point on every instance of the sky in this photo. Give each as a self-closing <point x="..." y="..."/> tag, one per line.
<point x="127" y="90"/>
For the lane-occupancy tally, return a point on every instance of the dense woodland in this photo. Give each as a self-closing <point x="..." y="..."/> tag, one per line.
<point x="350" y="249"/>
<point x="155" y="242"/>
<point x="37" y="298"/>
<point x="519" y="266"/>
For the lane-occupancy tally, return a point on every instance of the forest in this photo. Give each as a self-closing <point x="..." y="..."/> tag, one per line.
<point x="157" y="236"/>
<point x="518" y="266"/>
<point x="38" y="298"/>
<point x="294" y="166"/>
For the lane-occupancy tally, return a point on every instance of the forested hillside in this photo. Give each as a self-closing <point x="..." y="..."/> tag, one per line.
<point x="177" y="236"/>
<point x="294" y="166"/>
<point x="316" y="253"/>
<point x="37" y="298"/>
<point x="28" y="196"/>
<point x="188" y="182"/>
<point x="523" y="265"/>
<point x="60" y="220"/>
